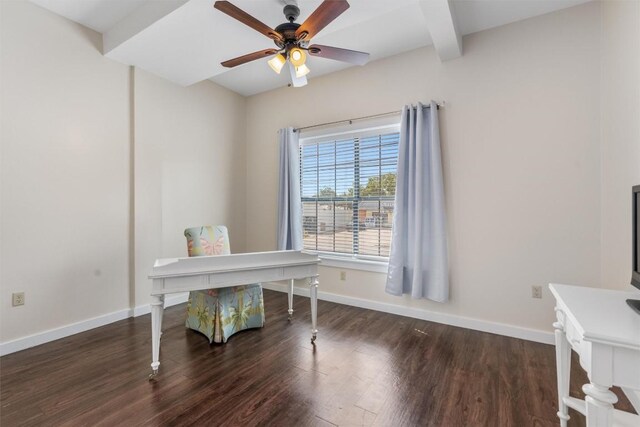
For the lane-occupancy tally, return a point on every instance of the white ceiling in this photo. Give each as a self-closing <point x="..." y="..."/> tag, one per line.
<point x="185" y="41"/>
<point x="99" y="15"/>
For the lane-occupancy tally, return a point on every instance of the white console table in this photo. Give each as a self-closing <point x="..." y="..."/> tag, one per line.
<point x="605" y="332"/>
<point x="173" y="275"/>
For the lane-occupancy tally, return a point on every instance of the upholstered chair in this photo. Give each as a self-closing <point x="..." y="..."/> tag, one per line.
<point x="220" y="313"/>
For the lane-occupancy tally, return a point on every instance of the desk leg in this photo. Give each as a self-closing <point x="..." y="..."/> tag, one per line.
<point x="563" y="369"/>
<point x="291" y="298"/>
<point x="314" y="308"/>
<point x="157" y="309"/>
<point x="599" y="402"/>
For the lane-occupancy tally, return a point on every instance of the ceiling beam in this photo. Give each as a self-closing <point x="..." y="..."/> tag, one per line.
<point x="142" y="18"/>
<point x="441" y="22"/>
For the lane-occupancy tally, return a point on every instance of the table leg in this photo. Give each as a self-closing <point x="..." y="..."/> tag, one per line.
<point x="291" y="282"/>
<point x="314" y="308"/>
<point x="157" y="309"/>
<point x="599" y="402"/>
<point x="563" y="368"/>
<point x="161" y="317"/>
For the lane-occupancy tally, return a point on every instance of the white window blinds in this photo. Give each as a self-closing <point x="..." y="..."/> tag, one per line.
<point x="348" y="190"/>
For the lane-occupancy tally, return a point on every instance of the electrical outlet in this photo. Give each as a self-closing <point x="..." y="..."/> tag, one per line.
<point x="536" y="291"/>
<point x="343" y="275"/>
<point x="17" y="298"/>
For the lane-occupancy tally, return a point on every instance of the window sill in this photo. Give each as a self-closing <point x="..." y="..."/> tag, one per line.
<point x="353" y="263"/>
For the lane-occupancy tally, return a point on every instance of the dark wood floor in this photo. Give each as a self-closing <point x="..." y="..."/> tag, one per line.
<point x="368" y="368"/>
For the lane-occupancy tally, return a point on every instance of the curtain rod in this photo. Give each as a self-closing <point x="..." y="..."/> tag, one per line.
<point x="390" y="113"/>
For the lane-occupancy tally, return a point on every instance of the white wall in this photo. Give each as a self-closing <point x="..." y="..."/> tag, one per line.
<point x="521" y="140"/>
<point x="65" y="156"/>
<point x="620" y="135"/>
<point x="189" y="168"/>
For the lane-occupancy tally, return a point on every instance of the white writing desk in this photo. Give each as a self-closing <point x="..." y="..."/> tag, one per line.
<point x="173" y="275"/>
<point x="605" y="332"/>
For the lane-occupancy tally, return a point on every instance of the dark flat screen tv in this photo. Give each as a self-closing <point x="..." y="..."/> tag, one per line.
<point x="635" y="236"/>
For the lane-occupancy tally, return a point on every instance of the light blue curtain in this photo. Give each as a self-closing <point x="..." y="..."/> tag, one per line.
<point x="289" y="203"/>
<point x="418" y="261"/>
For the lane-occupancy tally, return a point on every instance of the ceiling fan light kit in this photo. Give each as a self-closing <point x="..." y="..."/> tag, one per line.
<point x="297" y="56"/>
<point x="277" y="62"/>
<point x="302" y="70"/>
<point x="292" y="39"/>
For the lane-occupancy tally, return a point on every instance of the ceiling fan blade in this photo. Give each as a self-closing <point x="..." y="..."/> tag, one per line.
<point x="345" y="55"/>
<point x="248" y="58"/>
<point x="320" y="18"/>
<point x="295" y="80"/>
<point x="245" y="18"/>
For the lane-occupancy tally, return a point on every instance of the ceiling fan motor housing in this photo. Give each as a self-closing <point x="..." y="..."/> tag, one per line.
<point x="288" y="32"/>
<point x="288" y="29"/>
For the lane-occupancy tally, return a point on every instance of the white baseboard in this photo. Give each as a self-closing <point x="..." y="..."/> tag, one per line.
<point x="170" y="300"/>
<point x="432" y="316"/>
<point x="84" y="325"/>
<point x="62" y="332"/>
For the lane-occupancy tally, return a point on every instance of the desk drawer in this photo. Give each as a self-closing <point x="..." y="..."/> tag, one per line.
<point x="573" y="336"/>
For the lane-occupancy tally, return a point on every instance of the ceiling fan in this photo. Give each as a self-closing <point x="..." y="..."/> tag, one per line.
<point x="292" y="39"/>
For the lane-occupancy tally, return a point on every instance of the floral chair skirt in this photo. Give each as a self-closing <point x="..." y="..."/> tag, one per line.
<point x="220" y="313"/>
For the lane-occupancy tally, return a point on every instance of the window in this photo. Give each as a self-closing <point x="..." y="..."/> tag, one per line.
<point x="348" y="185"/>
